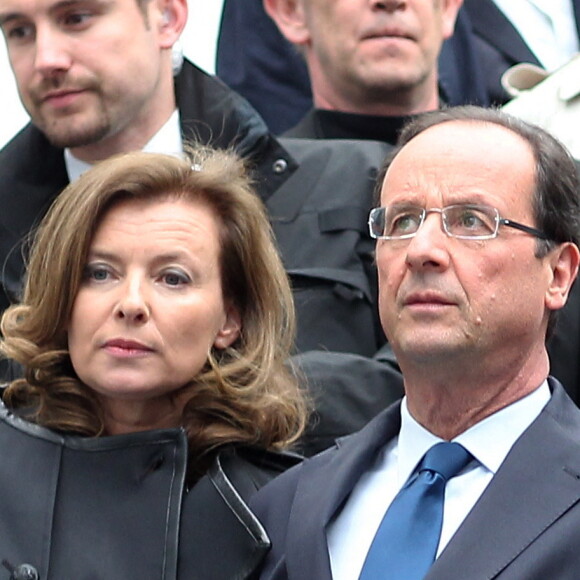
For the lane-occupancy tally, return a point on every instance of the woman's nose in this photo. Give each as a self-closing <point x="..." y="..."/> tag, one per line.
<point x="132" y="304"/>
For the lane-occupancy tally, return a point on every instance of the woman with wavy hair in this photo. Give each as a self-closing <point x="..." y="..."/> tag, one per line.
<point x="153" y="333"/>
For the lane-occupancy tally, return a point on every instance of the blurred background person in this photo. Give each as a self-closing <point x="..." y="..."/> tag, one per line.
<point x="372" y="64"/>
<point x="153" y="331"/>
<point x="255" y="59"/>
<point x="198" y="42"/>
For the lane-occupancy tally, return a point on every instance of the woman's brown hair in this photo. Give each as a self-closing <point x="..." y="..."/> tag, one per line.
<point x="244" y="394"/>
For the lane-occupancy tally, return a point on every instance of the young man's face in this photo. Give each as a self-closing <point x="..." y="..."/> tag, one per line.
<point x="87" y="70"/>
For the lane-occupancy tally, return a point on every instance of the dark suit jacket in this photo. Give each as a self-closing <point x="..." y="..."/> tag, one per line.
<point x="498" y="44"/>
<point x="525" y="526"/>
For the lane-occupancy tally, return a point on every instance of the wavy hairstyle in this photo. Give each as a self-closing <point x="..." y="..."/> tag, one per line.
<point x="245" y="393"/>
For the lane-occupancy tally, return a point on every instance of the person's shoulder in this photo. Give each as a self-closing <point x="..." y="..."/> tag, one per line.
<point x="29" y="136"/>
<point x="283" y="487"/>
<point x="305" y="128"/>
<point x="346" y="159"/>
<point x="30" y="158"/>
<point x="250" y="468"/>
<point x="268" y="461"/>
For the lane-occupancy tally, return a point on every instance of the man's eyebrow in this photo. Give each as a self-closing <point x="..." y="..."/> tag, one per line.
<point x="63" y="4"/>
<point x="67" y="3"/>
<point x="6" y="18"/>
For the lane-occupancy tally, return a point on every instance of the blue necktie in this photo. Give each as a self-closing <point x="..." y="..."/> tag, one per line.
<point x="406" y="542"/>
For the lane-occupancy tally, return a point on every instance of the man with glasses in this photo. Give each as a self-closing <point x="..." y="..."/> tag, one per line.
<point x="476" y="473"/>
<point x="466" y="221"/>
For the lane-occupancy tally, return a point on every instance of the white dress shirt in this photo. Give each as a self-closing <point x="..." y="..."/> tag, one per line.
<point x="166" y="140"/>
<point x="351" y="532"/>
<point x="548" y="28"/>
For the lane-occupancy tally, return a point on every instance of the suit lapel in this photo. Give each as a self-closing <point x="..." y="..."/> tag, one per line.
<point x="321" y="491"/>
<point x="490" y="23"/>
<point x="576" y="7"/>
<point x="538" y="481"/>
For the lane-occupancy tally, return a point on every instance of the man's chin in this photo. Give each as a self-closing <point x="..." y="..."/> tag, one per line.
<point x="431" y="349"/>
<point x="386" y="83"/>
<point x="63" y="135"/>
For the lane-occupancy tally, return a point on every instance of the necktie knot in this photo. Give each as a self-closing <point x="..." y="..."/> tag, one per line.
<point x="445" y="458"/>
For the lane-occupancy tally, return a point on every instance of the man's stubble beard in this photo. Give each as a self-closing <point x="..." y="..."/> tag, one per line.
<point x="76" y="129"/>
<point x="65" y="132"/>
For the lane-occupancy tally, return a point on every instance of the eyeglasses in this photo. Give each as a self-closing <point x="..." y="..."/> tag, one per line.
<point x="464" y="221"/>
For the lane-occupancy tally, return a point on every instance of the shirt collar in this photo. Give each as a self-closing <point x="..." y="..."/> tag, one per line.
<point x="166" y="140"/>
<point x="489" y="441"/>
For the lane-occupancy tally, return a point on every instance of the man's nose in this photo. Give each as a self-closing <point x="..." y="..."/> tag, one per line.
<point x="388" y="5"/>
<point x="429" y="246"/>
<point x="52" y="54"/>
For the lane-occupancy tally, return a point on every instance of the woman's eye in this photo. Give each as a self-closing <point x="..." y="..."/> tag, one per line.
<point x="96" y="273"/>
<point x="175" y="278"/>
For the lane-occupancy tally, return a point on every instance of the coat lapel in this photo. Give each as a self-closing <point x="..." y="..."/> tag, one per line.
<point x="538" y="481"/>
<point x="220" y="538"/>
<point x="321" y="491"/>
<point x="576" y="7"/>
<point x="490" y="23"/>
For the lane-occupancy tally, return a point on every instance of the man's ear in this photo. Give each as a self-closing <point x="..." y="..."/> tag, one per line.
<point x="290" y="18"/>
<point x="449" y="11"/>
<point x="563" y="261"/>
<point x="170" y="19"/>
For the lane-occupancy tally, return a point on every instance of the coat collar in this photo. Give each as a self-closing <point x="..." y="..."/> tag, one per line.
<point x="220" y="537"/>
<point x="212" y="113"/>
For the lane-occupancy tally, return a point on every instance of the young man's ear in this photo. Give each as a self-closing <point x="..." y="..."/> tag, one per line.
<point x="290" y="18"/>
<point x="170" y="17"/>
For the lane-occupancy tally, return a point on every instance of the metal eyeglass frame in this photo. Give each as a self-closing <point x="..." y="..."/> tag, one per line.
<point x="499" y="221"/>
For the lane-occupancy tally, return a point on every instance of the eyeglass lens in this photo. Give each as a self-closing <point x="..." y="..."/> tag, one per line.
<point x="464" y="221"/>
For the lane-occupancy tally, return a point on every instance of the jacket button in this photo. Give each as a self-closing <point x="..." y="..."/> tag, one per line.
<point x="279" y="166"/>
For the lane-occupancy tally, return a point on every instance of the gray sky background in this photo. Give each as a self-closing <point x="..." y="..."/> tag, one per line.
<point x="199" y="40"/>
